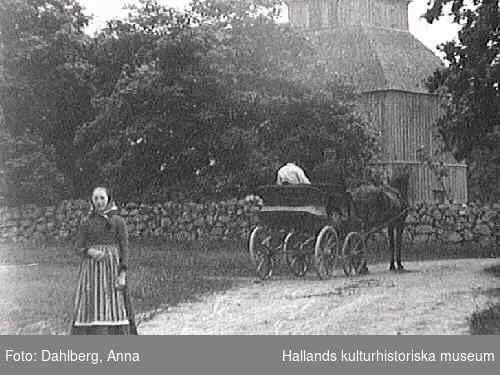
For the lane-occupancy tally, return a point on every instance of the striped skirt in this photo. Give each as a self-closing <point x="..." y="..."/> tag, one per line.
<point x="98" y="302"/>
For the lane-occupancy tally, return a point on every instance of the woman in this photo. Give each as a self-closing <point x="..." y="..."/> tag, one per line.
<point x="102" y="302"/>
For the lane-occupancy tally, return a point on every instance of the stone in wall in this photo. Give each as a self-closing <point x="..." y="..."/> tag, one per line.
<point x="482" y="229"/>
<point x="424" y="229"/>
<point x="453" y="237"/>
<point x="467" y="235"/>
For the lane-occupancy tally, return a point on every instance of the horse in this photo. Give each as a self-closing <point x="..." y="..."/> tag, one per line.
<point x="384" y="206"/>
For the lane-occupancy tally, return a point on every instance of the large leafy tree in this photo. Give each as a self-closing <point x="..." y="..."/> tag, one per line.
<point x="213" y="98"/>
<point x="45" y="91"/>
<point x="156" y="99"/>
<point x="469" y="87"/>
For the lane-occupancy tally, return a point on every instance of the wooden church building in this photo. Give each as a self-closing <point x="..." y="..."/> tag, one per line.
<point x="369" y="43"/>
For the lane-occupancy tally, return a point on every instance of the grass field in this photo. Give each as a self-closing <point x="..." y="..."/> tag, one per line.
<point x="37" y="295"/>
<point x="37" y="283"/>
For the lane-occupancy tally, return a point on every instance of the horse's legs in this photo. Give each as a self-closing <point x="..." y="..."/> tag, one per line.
<point x="399" y="242"/>
<point x="363" y="267"/>
<point x="390" y="233"/>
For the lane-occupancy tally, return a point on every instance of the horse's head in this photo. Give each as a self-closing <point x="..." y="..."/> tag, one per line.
<point x="401" y="182"/>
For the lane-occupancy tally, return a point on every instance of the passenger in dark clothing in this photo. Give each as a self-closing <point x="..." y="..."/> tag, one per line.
<point x="332" y="175"/>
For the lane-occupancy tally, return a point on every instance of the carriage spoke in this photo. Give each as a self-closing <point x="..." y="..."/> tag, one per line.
<point x="261" y="253"/>
<point x="296" y="249"/>
<point x="299" y="265"/>
<point x="326" y="251"/>
<point x="353" y="257"/>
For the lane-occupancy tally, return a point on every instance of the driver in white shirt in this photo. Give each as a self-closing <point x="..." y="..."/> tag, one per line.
<point x="291" y="174"/>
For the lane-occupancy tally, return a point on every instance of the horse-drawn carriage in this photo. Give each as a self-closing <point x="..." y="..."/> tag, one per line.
<point x="294" y="221"/>
<point x="312" y="226"/>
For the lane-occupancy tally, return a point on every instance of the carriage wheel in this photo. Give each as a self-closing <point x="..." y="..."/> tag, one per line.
<point x="297" y="258"/>
<point x="260" y="252"/>
<point x="376" y="246"/>
<point x="326" y="252"/>
<point x="353" y="253"/>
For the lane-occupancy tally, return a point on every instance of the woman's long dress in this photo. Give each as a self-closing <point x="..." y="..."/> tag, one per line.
<point x="99" y="306"/>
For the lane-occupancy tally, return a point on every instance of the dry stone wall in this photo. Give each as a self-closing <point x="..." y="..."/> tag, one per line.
<point x="454" y="223"/>
<point x="231" y="219"/>
<point x="222" y="220"/>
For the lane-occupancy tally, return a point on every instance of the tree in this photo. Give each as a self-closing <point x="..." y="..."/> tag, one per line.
<point x="155" y="97"/>
<point x="44" y="89"/>
<point x="469" y="86"/>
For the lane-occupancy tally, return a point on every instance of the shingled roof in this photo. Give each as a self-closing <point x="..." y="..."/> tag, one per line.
<point x="375" y="59"/>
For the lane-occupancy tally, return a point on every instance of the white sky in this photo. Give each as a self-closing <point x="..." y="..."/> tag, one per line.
<point x="430" y="35"/>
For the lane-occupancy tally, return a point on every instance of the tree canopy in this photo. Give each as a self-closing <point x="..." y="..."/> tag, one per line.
<point x="469" y="87"/>
<point x="45" y="94"/>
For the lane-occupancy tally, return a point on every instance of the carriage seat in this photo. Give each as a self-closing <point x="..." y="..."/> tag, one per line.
<point x="292" y="195"/>
<point x="297" y="206"/>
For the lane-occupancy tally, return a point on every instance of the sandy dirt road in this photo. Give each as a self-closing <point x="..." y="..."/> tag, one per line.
<point x="434" y="297"/>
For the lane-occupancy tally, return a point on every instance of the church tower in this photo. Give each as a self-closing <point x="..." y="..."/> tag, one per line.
<point x="369" y="43"/>
<point x="317" y="14"/>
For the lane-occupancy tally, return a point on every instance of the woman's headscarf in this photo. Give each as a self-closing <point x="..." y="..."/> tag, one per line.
<point x="110" y="209"/>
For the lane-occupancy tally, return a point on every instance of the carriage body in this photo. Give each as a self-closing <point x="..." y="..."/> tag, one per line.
<point x="295" y="220"/>
<point x="298" y="208"/>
